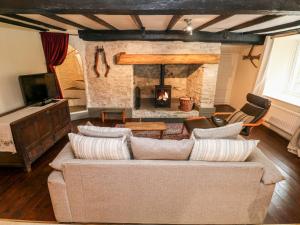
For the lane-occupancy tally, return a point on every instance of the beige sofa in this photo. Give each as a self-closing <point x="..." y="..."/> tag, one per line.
<point x="164" y="192"/>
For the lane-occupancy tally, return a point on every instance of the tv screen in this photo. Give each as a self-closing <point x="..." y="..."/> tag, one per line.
<point x="38" y="87"/>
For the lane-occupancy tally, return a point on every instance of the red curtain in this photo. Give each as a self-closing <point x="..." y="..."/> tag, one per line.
<point x="55" y="47"/>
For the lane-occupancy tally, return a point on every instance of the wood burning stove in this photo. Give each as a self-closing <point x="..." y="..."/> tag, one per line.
<point x="162" y="94"/>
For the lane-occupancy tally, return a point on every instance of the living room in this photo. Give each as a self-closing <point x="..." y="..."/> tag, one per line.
<point x="150" y="112"/>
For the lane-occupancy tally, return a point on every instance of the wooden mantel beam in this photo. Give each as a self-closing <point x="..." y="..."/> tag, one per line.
<point x="134" y="59"/>
<point x="172" y="35"/>
<point x="151" y="7"/>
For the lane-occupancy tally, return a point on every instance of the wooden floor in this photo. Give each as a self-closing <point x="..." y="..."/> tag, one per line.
<point x="25" y="195"/>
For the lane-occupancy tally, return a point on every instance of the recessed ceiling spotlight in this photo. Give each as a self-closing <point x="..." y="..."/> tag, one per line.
<point x="189" y="27"/>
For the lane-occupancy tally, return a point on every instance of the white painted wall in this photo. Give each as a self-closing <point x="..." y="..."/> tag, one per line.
<point x="21" y="53"/>
<point x="245" y="77"/>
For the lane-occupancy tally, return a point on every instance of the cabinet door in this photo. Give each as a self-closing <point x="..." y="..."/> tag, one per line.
<point x="60" y="116"/>
<point x="44" y="124"/>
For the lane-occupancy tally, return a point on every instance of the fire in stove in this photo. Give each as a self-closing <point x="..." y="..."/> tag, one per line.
<point x="163" y="96"/>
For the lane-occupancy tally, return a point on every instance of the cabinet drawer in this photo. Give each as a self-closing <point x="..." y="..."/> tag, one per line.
<point x="62" y="132"/>
<point x="47" y="143"/>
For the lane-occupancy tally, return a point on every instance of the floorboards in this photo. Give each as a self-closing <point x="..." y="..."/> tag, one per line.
<point x="25" y="196"/>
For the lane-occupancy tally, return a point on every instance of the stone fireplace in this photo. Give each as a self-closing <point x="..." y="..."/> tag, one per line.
<point x="163" y="85"/>
<point x="117" y="90"/>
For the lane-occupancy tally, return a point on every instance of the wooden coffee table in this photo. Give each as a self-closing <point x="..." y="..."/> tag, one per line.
<point x="147" y="126"/>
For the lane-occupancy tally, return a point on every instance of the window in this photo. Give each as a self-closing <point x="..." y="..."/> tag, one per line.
<point x="283" y="71"/>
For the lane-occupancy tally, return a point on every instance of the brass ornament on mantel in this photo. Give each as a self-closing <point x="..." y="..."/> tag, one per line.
<point x="101" y="51"/>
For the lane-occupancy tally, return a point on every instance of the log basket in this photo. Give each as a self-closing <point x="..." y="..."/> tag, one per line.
<point x="186" y="104"/>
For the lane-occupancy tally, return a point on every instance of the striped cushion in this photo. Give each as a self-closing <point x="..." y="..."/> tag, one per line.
<point x="223" y="150"/>
<point x="230" y="131"/>
<point x="239" y="116"/>
<point x="99" y="148"/>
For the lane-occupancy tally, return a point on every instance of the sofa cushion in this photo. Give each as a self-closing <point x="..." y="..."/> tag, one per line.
<point x="99" y="148"/>
<point x="148" y="148"/>
<point x="106" y="132"/>
<point x="65" y="154"/>
<point x="222" y="150"/>
<point x="230" y="131"/>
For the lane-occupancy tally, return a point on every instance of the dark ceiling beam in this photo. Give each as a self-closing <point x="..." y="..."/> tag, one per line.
<point x="37" y="22"/>
<point x="66" y="21"/>
<point x="20" y="24"/>
<point x="213" y="21"/>
<point x="173" y="21"/>
<point x="172" y="35"/>
<point x="151" y="7"/>
<point x="253" y="22"/>
<point x="137" y="21"/>
<point x="274" y="28"/>
<point x="100" y="21"/>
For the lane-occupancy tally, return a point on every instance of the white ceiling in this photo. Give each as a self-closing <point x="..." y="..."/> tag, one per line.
<point x="157" y="22"/>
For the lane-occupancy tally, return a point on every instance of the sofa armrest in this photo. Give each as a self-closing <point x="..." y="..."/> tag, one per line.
<point x="271" y="174"/>
<point x="59" y="198"/>
<point x="65" y="154"/>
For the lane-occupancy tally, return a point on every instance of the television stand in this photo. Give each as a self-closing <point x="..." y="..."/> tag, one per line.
<point x="34" y="130"/>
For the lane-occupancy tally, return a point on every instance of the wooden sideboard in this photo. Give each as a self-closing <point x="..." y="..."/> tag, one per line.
<point x="34" y="134"/>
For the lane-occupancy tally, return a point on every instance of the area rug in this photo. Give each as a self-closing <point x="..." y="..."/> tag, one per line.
<point x="174" y="131"/>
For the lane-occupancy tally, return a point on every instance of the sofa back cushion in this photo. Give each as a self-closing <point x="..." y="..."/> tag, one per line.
<point x="148" y="148"/>
<point x="99" y="148"/>
<point x="222" y="150"/>
<point x="230" y="131"/>
<point x="104" y="132"/>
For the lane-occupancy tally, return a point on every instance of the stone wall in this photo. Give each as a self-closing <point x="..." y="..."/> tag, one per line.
<point x="116" y="90"/>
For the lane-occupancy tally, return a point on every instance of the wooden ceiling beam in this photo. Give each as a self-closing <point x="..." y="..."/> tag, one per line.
<point x="213" y="21"/>
<point x="253" y="22"/>
<point x="20" y="24"/>
<point x="65" y="21"/>
<point x="137" y="21"/>
<point x="151" y="7"/>
<point x="275" y="28"/>
<point x="100" y="21"/>
<point x="173" y="21"/>
<point x="172" y="35"/>
<point x="37" y="22"/>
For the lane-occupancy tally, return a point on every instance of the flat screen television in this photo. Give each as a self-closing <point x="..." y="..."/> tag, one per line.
<point x="38" y="88"/>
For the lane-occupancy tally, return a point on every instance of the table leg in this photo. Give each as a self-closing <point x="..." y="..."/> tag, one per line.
<point x="103" y="117"/>
<point x="123" y="116"/>
<point x="161" y="134"/>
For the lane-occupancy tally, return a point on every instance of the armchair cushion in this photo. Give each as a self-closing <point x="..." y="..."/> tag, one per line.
<point x="239" y="116"/>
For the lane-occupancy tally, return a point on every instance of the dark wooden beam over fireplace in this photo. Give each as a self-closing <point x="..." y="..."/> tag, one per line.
<point x="152" y="7"/>
<point x="172" y="35"/>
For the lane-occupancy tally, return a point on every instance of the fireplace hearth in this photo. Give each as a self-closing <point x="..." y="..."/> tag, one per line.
<point x="162" y="93"/>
